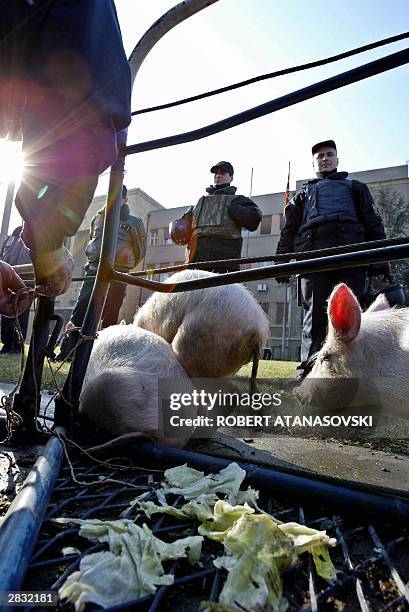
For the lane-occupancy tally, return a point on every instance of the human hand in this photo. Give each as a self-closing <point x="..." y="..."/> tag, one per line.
<point x="53" y="271"/>
<point x="11" y="288"/>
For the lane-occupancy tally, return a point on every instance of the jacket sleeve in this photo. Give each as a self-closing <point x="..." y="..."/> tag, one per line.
<point x="293" y="217"/>
<point x="245" y="213"/>
<point x="369" y="217"/>
<point x="138" y="237"/>
<point x="92" y="227"/>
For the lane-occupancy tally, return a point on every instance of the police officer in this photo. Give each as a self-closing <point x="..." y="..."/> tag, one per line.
<point x="212" y="229"/>
<point x="330" y="210"/>
<point x="130" y="249"/>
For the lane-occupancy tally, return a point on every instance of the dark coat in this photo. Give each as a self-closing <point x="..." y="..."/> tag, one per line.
<point x="14" y="251"/>
<point x="332" y="233"/>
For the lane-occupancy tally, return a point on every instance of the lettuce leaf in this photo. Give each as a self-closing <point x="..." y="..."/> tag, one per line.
<point x="130" y="569"/>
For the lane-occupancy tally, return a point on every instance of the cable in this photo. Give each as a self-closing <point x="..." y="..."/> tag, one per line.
<point x="277" y="73"/>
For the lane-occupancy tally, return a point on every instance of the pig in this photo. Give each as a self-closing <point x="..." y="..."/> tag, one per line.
<point x="370" y="349"/>
<point x="213" y="331"/>
<point x="120" y="390"/>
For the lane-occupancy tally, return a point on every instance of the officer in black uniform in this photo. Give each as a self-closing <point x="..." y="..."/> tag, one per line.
<point x="330" y="210"/>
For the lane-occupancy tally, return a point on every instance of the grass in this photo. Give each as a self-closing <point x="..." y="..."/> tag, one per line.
<point x="271" y="369"/>
<point x="10" y="368"/>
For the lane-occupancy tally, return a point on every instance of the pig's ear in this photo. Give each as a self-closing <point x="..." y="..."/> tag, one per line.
<point x="344" y="313"/>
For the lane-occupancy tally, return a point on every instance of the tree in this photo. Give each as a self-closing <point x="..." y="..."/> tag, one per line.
<point x="394" y="210"/>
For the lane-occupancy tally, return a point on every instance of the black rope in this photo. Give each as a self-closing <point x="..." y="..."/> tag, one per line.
<point x="277" y="73"/>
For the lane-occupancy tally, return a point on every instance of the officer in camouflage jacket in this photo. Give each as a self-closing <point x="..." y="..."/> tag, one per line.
<point x="130" y="249"/>
<point x="215" y="223"/>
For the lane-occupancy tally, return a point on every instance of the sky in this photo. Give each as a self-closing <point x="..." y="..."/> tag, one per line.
<point x="233" y="40"/>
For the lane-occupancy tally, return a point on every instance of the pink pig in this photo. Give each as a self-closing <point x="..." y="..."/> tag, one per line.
<point x="370" y="349"/>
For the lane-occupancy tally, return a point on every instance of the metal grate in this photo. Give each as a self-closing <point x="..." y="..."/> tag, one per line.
<point x="372" y="563"/>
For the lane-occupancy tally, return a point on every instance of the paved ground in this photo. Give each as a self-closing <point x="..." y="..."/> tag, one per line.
<point x="355" y="463"/>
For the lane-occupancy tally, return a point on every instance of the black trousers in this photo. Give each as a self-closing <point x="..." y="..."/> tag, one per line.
<point x="8" y="331"/>
<point x="316" y="289"/>
<point x="113" y="303"/>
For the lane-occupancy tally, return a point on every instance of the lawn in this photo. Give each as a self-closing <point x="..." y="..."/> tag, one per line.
<point x="10" y="368"/>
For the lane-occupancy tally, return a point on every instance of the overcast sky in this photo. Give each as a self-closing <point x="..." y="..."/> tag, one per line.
<point x="236" y="39"/>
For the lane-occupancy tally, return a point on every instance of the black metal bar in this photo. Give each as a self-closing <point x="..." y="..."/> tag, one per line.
<point x="306" y="93"/>
<point x="27" y="401"/>
<point x="283" y="257"/>
<point x="59" y="322"/>
<point x="319" y="264"/>
<point x="66" y="407"/>
<point x="271" y="75"/>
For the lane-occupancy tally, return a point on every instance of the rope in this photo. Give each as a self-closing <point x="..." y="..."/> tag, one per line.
<point x="13" y="419"/>
<point x="277" y="73"/>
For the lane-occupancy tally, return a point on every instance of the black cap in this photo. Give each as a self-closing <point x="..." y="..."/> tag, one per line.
<point x="324" y="143"/>
<point x="124" y="192"/>
<point x="225" y="165"/>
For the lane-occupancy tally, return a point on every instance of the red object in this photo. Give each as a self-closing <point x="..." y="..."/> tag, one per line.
<point x="345" y="313"/>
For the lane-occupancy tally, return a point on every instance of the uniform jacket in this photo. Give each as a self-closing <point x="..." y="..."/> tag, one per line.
<point x="307" y="227"/>
<point x="14" y="251"/>
<point x="217" y="222"/>
<point x="131" y="245"/>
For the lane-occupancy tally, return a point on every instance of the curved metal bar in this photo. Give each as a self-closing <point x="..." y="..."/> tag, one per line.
<point x="166" y="22"/>
<point x="345" y="78"/>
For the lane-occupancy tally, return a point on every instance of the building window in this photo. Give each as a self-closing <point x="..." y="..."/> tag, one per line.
<point x="166" y="237"/>
<point x="279" y="313"/>
<point x="261" y="286"/>
<point x="265" y="227"/>
<point x="153" y="237"/>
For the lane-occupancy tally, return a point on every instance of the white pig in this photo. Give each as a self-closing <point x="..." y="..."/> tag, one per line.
<point x="120" y="390"/>
<point x="213" y="331"/>
<point x="370" y="347"/>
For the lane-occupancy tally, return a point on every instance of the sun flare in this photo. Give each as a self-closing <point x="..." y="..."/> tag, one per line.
<point x="11" y="161"/>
